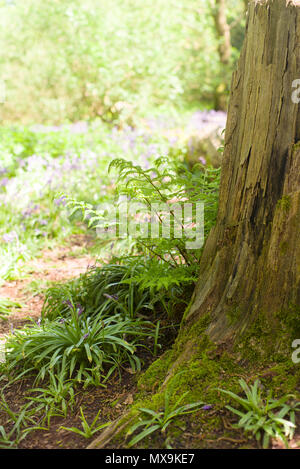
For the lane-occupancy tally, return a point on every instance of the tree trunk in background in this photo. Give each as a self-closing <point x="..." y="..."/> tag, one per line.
<point x="246" y="5"/>
<point x="251" y="261"/>
<point x="223" y="31"/>
<point x="218" y="11"/>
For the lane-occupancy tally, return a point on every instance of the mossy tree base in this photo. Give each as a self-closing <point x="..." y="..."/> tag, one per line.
<point x="200" y="366"/>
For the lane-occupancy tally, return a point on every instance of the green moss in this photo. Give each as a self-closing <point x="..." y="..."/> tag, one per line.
<point x="283" y="378"/>
<point x="205" y="367"/>
<point x="191" y="334"/>
<point x="197" y="365"/>
<point x="284" y="247"/>
<point x="201" y="376"/>
<point x="268" y="338"/>
<point x="187" y="310"/>
<point x="155" y="374"/>
<point x="296" y="146"/>
<point x="257" y="342"/>
<point x="290" y="320"/>
<point x="284" y="203"/>
<point x="233" y="315"/>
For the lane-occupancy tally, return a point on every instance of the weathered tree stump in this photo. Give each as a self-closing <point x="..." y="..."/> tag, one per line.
<point x="251" y="260"/>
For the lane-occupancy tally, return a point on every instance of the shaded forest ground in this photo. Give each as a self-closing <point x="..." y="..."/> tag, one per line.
<point x="205" y="429"/>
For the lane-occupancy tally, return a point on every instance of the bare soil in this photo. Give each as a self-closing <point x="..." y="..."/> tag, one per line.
<point x="52" y="266"/>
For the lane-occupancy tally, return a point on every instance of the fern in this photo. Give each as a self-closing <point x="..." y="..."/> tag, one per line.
<point x="168" y="181"/>
<point x="158" y="275"/>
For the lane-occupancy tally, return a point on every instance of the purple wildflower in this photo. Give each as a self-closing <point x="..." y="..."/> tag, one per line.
<point x="207" y="407"/>
<point x="69" y="303"/>
<point x="60" y="201"/>
<point x="85" y="335"/>
<point x="79" y="127"/>
<point x="4" y="182"/>
<point x="30" y="210"/>
<point x="10" y="237"/>
<point x="79" y="309"/>
<point x="111" y="297"/>
<point x="27" y="213"/>
<point x="173" y="140"/>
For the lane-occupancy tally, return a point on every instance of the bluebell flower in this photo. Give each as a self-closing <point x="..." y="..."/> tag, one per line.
<point x="207" y="407"/>
<point x="10" y="237"/>
<point x="60" y="201"/>
<point x="4" y="182"/>
<point x="68" y="303"/>
<point x="111" y="297"/>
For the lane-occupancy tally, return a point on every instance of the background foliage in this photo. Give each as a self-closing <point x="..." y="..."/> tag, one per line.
<point x="70" y="60"/>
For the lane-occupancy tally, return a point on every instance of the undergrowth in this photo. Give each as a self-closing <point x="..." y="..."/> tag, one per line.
<point x="108" y="318"/>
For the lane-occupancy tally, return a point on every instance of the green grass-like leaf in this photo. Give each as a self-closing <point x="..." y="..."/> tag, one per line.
<point x="263" y="417"/>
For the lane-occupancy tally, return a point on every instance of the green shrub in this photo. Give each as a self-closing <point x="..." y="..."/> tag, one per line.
<point x="85" y="349"/>
<point x="264" y="418"/>
<point x="152" y="421"/>
<point x="88" y="430"/>
<point x="132" y="287"/>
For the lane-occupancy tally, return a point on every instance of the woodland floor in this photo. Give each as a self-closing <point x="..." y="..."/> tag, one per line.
<point x="61" y="264"/>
